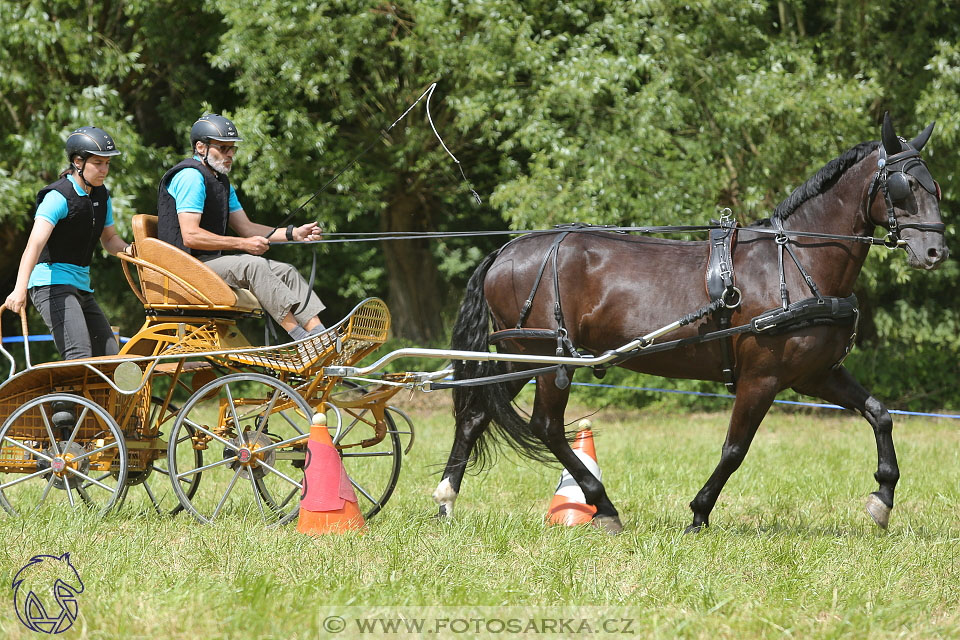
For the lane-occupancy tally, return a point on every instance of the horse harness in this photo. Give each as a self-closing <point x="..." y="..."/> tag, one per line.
<point x="720" y="289"/>
<point x="895" y="187"/>
<point x="724" y="298"/>
<point x="565" y="346"/>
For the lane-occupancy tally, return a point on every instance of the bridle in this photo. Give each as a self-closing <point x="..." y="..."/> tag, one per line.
<point x="892" y="180"/>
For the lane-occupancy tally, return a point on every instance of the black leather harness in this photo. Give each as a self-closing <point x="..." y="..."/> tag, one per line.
<point x="720" y="288"/>
<point x="724" y="297"/>
<point x="565" y="346"/>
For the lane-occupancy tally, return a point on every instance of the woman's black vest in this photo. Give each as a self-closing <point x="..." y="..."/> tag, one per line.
<point x="216" y="207"/>
<point x="75" y="237"/>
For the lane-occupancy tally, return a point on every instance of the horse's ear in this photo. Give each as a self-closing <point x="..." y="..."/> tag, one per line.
<point x="918" y="142"/>
<point x="890" y="140"/>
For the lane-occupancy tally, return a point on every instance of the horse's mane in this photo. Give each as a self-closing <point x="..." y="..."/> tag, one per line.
<point x="822" y="180"/>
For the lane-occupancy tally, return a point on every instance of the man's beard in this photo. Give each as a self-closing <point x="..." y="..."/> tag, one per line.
<point x="218" y="165"/>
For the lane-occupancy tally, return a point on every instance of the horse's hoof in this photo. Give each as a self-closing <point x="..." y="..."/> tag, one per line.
<point x="445" y="496"/>
<point x="694" y="528"/>
<point x="878" y="511"/>
<point x="610" y="524"/>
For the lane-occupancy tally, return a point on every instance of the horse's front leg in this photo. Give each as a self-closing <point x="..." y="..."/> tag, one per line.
<point x="547" y="422"/>
<point x="754" y="397"/>
<point x="840" y="387"/>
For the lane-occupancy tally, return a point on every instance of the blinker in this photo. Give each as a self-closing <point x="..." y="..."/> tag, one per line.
<point x="898" y="186"/>
<point x="922" y="174"/>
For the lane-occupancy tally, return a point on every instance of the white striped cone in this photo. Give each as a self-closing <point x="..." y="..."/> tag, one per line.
<point x="569" y="506"/>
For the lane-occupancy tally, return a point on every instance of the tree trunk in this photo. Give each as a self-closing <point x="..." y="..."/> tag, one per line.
<point x="412" y="274"/>
<point x="15" y="241"/>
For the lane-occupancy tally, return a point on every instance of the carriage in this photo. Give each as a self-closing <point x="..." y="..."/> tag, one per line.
<point x="189" y="415"/>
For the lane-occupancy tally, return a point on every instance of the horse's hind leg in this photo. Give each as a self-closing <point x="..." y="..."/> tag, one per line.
<point x="754" y="397"/>
<point x="840" y="387"/>
<point x="469" y="429"/>
<point x="547" y="423"/>
<point x="472" y="420"/>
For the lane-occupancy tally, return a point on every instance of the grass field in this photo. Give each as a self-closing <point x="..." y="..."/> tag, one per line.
<point x="790" y="553"/>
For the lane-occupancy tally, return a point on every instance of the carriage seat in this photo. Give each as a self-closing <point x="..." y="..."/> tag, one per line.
<point x="159" y="286"/>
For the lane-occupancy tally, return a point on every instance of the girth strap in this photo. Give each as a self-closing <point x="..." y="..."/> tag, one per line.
<point x="724" y="297"/>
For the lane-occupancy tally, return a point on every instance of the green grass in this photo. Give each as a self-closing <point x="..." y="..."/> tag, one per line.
<point x="790" y="551"/>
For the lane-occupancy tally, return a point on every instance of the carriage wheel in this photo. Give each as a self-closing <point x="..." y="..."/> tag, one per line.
<point x="151" y="486"/>
<point x="61" y="450"/>
<point x="373" y="469"/>
<point x="253" y="431"/>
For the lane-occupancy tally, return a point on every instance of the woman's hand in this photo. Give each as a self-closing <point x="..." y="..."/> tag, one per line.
<point x="16" y="300"/>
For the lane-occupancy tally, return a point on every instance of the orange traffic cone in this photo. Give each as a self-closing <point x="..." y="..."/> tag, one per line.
<point x="328" y="503"/>
<point x="569" y="506"/>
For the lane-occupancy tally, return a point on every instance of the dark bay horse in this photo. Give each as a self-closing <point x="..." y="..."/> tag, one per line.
<point x="614" y="288"/>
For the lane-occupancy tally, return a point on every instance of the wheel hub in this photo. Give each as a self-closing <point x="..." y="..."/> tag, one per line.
<point x="249" y="453"/>
<point x="62" y="462"/>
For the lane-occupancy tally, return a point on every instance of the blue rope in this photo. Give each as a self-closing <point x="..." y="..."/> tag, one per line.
<point x="48" y="338"/>
<point x="726" y="395"/>
<point x="42" y="338"/>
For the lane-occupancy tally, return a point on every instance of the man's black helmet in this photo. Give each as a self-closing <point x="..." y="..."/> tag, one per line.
<point x="90" y="141"/>
<point x="213" y="126"/>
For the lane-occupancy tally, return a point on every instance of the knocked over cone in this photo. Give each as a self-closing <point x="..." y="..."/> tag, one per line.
<point x="328" y="503"/>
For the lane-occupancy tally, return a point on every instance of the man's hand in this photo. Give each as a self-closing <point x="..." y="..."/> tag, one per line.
<point x="308" y="232"/>
<point x="256" y="245"/>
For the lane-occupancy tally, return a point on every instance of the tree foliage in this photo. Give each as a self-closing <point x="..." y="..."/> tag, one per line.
<point x="645" y="112"/>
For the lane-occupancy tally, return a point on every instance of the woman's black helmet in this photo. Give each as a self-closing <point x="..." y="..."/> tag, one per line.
<point x="90" y="141"/>
<point x="213" y="126"/>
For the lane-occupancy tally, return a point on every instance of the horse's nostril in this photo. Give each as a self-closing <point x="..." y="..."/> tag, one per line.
<point x="933" y="253"/>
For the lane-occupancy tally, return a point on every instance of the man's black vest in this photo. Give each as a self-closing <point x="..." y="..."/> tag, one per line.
<point x="216" y="207"/>
<point x="75" y="237"/>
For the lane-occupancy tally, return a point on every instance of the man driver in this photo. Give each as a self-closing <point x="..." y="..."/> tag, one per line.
<point x="195" y="205"/>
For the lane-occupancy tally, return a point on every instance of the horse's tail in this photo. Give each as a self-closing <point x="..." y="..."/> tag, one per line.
<point x="470" y="333"/>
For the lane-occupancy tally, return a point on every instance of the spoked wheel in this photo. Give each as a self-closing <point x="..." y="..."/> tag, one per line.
<point x="253" y="431"/>
<point x="369" y="448"/>
<point x="61" y="450"/>
<point x="150" y="486"/>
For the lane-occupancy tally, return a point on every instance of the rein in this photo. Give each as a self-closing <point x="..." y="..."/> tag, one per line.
<point x="345" y="237"/>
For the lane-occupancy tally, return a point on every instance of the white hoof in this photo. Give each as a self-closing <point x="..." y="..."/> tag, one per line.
<point x="878" y="511"/>
<point x="445" y="496"/>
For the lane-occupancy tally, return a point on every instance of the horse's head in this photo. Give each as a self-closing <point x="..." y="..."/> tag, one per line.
<point x="910" y="207"/>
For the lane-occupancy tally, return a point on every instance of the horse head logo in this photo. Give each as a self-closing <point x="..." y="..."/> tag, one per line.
<point x="45" y="594"/>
